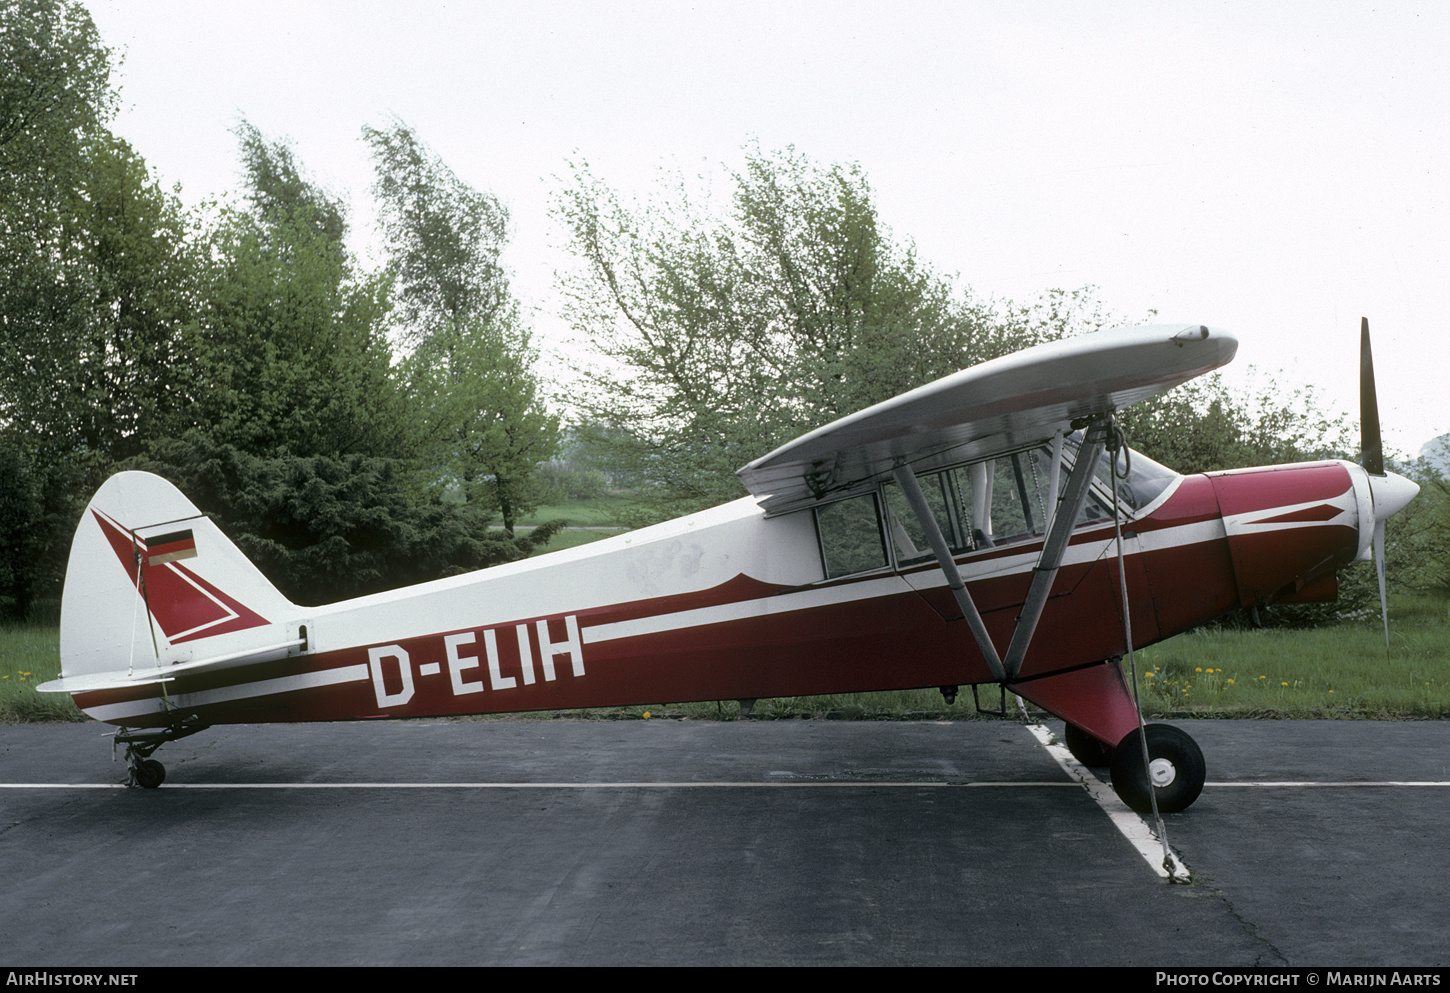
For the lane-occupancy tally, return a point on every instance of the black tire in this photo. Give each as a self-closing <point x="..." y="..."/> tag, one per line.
<point x="1176" y="760"/>
<point x="1086" y="749"/>
<point x="150" y="774"/>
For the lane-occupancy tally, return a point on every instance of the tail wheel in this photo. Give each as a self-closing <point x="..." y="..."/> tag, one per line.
<point x="1175" y="769"/>
<point x="149" y="773"/>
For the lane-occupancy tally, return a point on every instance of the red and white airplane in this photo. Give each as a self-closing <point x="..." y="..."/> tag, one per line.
<point x="985" y="528"/>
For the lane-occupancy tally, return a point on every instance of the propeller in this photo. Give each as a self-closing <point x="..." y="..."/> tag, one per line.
<point x="1388" y="491"/>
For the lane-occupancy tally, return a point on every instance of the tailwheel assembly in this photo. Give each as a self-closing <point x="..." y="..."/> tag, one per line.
<point x="148" y="773"/>
<point x="1175" y="769"/>
<point x="144" y="771"/>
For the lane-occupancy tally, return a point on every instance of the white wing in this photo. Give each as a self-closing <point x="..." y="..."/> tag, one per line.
<point x="1002" y="405"/>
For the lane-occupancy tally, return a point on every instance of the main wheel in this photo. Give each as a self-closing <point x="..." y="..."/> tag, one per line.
<point x="1175" y="767"/>
<point x="1085" y="748"/>
<point x="150" y="773"/>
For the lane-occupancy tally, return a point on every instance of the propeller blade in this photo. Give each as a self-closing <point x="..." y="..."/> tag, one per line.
<point x="1379" y="568"/>
<point x="1371" y="449"/>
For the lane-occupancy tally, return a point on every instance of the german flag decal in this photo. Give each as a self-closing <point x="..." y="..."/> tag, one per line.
<point x="173" y="547"/>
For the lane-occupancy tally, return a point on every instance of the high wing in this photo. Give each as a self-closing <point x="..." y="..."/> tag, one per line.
<point x="998" y="406"/>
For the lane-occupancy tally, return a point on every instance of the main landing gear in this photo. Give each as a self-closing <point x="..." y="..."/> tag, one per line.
<point x="145" y="771"/>
<point x="1175" y="765"/>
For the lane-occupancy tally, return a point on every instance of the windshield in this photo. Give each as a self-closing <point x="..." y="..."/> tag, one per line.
<point x="1139" y="481"/>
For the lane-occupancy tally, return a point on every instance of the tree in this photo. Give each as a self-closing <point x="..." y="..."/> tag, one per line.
<point x="96" y="287"/>
<point x="100" y="364"/>
<point x="292" y="337"/>
<point x="727" y="332"/>
<point x="55" y="93"/>
<point x="1203" y="426"/>
<point x="326" y="528"/>
<point x="472" y="363"/>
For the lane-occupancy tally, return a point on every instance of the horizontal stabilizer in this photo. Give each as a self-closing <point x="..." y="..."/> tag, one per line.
<point x="122" y="679"/>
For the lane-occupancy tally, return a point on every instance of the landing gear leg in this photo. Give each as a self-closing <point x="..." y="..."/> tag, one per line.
<point x="145" y="771"/>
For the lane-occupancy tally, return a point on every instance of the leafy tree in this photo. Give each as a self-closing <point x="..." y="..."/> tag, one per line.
<point x="326" y="528"/>
<point x="292" y="337"/>
<point x="100" y="361"/>
<point x="96" y="287"/>
<point x="21" y="508"/>
<point x="472" y="365"/>
<point x="1417" y="539"/>
<point x="727" y="332"/>
<point x="1203" y="426"/>
<point x="79" y="219"/>
<point x="55" y="93"/>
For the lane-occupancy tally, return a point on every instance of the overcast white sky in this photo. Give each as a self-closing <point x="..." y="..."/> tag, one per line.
<point x="1277" y="169"/>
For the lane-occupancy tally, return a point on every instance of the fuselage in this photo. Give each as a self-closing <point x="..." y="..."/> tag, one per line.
<point x="733" y="604"/>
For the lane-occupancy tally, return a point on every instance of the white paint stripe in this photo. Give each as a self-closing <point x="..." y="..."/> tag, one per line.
<point x="886" y="585"/>
<point x="1278" y="784"/>
<point x="1128" y="823"/>
<point x="228" y="613"/>
<point x="531" y="786"/>
<point x="1012" y="784"/>
<point x="1264" y="520"/>
<point x="242" y="691"/>
<point x="889" y="585"/>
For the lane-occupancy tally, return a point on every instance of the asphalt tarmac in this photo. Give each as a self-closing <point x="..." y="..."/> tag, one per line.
<point x="700" y="843"/>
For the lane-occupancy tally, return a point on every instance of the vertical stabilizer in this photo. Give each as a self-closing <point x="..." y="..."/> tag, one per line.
<point x="152" y="582"/>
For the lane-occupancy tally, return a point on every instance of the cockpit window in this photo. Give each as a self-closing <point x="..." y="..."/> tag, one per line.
<point x="850" y="533"/>
<point x="1139" y="480"/>
<point x="996" y="501"/>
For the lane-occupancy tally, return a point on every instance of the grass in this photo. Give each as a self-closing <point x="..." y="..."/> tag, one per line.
<point x="1341" y="670"/>
<point x="29" y="655"/>
<point x="1337" y="671"/>
<point x="606" y="511"/>
<point x="573" y="537"/>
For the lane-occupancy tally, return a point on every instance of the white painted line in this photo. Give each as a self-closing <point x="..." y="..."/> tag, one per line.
<point x="533" y="786"/>
<point x="1128" y="823"/>
<point x="1340" y="784"/>
<point x="1100" y="790"/>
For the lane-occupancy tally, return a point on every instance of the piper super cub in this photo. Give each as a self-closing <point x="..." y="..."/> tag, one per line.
<point x="984" y="528"/>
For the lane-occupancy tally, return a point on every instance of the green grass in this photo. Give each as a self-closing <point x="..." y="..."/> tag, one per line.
<point x="612" y="510"/>
<point x="29" y="655"/>
<point x="573" y="537"/>
<point x="1341" y="670"/>
<point x="1338" y="671"/>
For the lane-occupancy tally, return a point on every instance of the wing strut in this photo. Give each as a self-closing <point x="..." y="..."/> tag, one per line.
<point x="1064" y="516"/>
<point x="1053" y="548"/>
<point x="906" y="479"/>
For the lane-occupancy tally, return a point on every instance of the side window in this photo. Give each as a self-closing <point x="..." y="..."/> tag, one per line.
<point x="1005" y="498"/>
<point x="908" y="537"/>
<point x="850" y="533"/>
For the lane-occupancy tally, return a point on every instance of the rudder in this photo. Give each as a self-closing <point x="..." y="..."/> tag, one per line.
<point x="152" y="582"/>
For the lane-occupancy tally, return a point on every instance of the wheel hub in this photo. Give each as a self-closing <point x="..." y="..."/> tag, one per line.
<point x="1161" y="773"/>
